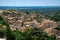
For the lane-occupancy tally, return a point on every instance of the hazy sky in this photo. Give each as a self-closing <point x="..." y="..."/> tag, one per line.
<point x="29" y="2"/>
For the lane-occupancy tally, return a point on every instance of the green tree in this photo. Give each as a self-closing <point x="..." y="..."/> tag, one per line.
<point x="58" y="28"/>
<point x="56" y="17"/>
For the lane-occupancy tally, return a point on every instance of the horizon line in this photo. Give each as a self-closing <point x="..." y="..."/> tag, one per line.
<point x="33" y="6"/>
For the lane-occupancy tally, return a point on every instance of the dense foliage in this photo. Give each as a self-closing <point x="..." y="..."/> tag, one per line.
<point x="32" y="34"/>
<point x="58" y="28"/>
